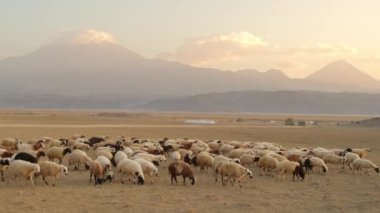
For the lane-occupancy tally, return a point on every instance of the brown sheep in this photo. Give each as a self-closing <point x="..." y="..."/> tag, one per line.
<point x="178" y="168"/>
<point x="97" y="171"/>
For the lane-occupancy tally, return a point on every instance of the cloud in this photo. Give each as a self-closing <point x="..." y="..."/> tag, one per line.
<point x="218" y="48"/>
<point x="323" y="50"/>
<point x="89" y="36"/>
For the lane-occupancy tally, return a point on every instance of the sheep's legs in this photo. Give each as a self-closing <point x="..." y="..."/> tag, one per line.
<point x="121" y="178"/>
<point x="184" y="180"/>
<point x="31" y="180"/>
<point x="2" y="176"/>
<point x="43" y="178"/>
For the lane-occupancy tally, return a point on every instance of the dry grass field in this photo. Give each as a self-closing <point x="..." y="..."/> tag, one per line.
<point x="336" y="191"/>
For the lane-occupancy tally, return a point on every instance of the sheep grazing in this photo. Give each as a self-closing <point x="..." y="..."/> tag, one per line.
<point x="119" y="156"/>
<point x="290" y="167"/>
<point x="334" y="159"/>
<point x="247" y="159"/>
<point x="267" y="163"/>
<point x="97" y="171"/>
<point x="52" y="169"/>
<point x="351" y="157"/>
<point x="148" y="168"/>
<point x="178" y="168"/>
<point x="57" y="153"/>
<point x="80" y="159"/>
<point x="232" y="170"/>
<point x="360" y="164"/>
<point x="204" y="161"/>
<point x="131" y="168"/>
<point x="315" y="162"/>
<point x="20" y="168"/>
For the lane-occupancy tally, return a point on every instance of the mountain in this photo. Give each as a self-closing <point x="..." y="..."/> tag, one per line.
<point x="74" y="74"/>
<point x="296" y="102"/>
<point x="343" y="73"/>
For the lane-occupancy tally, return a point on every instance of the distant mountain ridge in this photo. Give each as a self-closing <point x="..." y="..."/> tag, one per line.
<point x="105" y="71"/>
<point x="296" y="102"/>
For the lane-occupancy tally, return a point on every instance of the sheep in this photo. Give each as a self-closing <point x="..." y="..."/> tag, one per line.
<point x="247" y="159"/>
<point x="148" y="168"/>
<point x="278" y="156"/>
<point x="4" y="163"/>
<point x="316" y="163"/>
<point x="295" y="157"/>
<point x="119" y="156"/>
<point x="28" y="156"/>
<point x="150" y="157"/>
<point x="57" y="153"/>
<point x="175" y="156"/>
<point x="232" y="170"/>
<point x="351" y="157"/>
<point x="184" y="152"/>
<point x="131" y="168"/>
<point x="204" y="161"/>
<point x="81" y="146"/>
<point x="225" y="149"/>
<point x="178" y="168"/>
<point x="20" y="168"/>
<point x="105" y="162"/>
<point x="292" y="167"/>
<point x="10" y="142"/>
<point x="334" y="159"/>
<point x="78" y="158"/>
<point x="52" y="169"/>
<point x="236" y="153"/>
<point x="57" y="143"/>
<point x="361" y="163"/>
<point x="104" y="153"/>
<point x="361" y="152"/>
<point x="267" y="163"/>
<point x="97" y="171"/>
<point x="39" y="145"/>
<point x="220" y="158"/>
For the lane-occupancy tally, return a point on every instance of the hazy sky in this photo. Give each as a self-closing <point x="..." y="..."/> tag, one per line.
<point x="296" y="36"/>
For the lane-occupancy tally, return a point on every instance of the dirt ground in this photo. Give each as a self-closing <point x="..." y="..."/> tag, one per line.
<point x="336" y="191"/>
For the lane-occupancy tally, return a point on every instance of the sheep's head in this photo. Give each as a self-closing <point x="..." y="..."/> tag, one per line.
<point x="66" y="151"/>
<point x="377" y="170"/>
<point x="192" y="180"/>
<point x="64" y="170"/>
<point x="249" y="173"/>
<point x="140" y="180"/>
<point x="299" y="170"/>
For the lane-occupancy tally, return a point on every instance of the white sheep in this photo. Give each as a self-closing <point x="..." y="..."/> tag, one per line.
<point x="351" y="157"/>
<point x="316" y="162"/>
<point x="247" y="159"/>
<point x="148" y="168"/>
<point x="236" y="153"/>
<point x="57" y="153"/>
<point x="361" y="163"/>
<point x="267" y="163"/>
<point x="217" y="162"/>
<point x="334" y="159"/>
<point x="361" y="152"/>
<point x="105" y="162"/>
<point x="289" y="167"/>
<point x="80" y="159"/>
<point x="131" y="168"/>
<point x="81" y="146"/>
<point x="23" y="169"/>
<point x="150" y="157"/>
<point x="232" y="170"/>
<point x="104" y="153"/>
<point x="175" y="156"/>
<point x="204" y="161"/>
<point x="225" y="149"/>
<point x="119" y="156"/>
<point x="52" y="169"/>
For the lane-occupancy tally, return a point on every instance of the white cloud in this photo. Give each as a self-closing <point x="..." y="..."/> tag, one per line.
<point x="218" y="48"/>
<point x="89" y="36"/>
<point x="323" y="50"/>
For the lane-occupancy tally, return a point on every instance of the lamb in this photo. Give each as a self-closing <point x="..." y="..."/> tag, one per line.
<point x="52" y="169"/>
<point x="79" y="158"/>
<point x="334" y="159"/>
<point x="361" y="163"/>
<point x="267" y="163"/>
<point x="148" y="168"/>
<point x="97" y="171"/>
<point x="57" y="153"/>
<point x="131" y="168"/>
<point x="287" y="166"/>
<point x="178" y="168"/>
<point x="233" y="170"/>
<point x="20" y="168"/>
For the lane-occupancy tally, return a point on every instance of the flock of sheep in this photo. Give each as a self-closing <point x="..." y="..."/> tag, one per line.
<point x="140" y="159"/>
